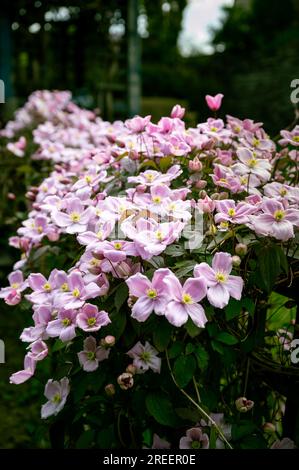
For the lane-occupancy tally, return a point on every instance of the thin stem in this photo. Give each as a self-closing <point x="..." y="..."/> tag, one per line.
<point x="196" y="390"/>
<point x="246" y="377"/>
<point x="200" y="409"/>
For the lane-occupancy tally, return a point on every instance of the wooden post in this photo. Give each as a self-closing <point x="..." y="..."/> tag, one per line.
<point x="134" y="60"/>
<point x="6" y="63"/>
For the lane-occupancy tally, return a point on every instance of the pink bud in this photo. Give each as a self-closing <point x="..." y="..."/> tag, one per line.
<point x="11" y="196"/>
<point x="243" y="405"/>
<point x="241" y="249"/>
<point x="108" y="341"/>
<point x="125" y="381"/>
<point x="214" y="102"/>
<point x="110" y="390"/>
<point x="177" y="112"/>
<point x="131" y="369"/>
<point x="195" y="165"/>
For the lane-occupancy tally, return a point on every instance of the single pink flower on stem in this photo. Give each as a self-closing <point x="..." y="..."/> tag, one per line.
<point x="145" y="358"/>
<point x="90" y="319"/>
<point x="12" y="294"/>
<point x="64" y="327"/>
<point x="185" y="300"/>
<point x="151" y="294"/>
<point x="214" y="102"/>
<point x="92" y="354"/>
<point x="275" y="220"/>
<point x="57" y="393"/>
<point x="221" y="285"/>
<point x="137" y="124"/>
<point x="25" y="374"/>
<point x="194" y="439"/>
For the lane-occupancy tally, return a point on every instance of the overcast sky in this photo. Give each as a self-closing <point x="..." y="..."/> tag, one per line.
<point x="198" y="18"/>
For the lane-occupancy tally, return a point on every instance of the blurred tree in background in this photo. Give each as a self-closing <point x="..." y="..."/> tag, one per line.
<point x="82" y="46"/>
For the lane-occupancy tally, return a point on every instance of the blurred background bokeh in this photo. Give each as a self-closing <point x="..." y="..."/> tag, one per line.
<point x="125" y="57"/>
<point x="129" y="56"/>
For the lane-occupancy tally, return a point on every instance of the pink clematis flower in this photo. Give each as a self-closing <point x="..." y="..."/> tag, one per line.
<point x="145" y="358"/>
<point x="92" y="354"/>
<point x="42" y="288"/>
<point x="76" y="218"/>
<point x="137" y="124"/>
<point x="23" y="375"/>
<point x="57" y="393"/>
<point x="12" y="294"/>
<point x="18" y="148"/>
<point x="221" y="285"/>
<point x="90" y="319"/>
<point x="64" y="326"/>
<point x="151" y="294"/>
<point x="38" y="350"/>
<point x="194" y="439"/>
<point x="275" y="220"/>
<point x="230" y="211"/>
<point x="76" y="292"/>
<point x="185" y="300"/>
<point x="214" y="102"/>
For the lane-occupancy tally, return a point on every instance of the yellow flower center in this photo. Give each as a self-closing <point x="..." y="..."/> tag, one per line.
<point x="91" y="356"/>
<point x="283" y="191"/>
<point x="214" y="129"/>
<point x="75" y="217"/>
<point x="76" y="292"/>
<point x="256" y="142"/>
<point x="157" y="199"/>
<point x="100" y="234"/>
<point x="15" y="285"/>
<point x="47" y="286"/>
<point x="159" y="235"/>
<point x="231" y="212"/>
<point x="296" y="138"/>
<point x="117" y="245"/>
<point x="151" y="293"/>
<point x="88" y="179"/>
<point x="243" y="180"/>
<point x="223" y="224"/>
<point x="223" y="180"/>
<point x="187" y="299"/>
<point x="66" y="322"/>
<point x="91" y="321"/>
<point x="172" y="206"/>
<point x="149" y="176"/>
<point x="39" y="229"/>
<point x="252" y="163"/>
<point x="64" y="287"/>
<point x="145" y="356"/>
<point x="220" y="276"/>
<point x="279" y="215"/>
<point x="56" y="398"/>
<point x="237" y="129"/>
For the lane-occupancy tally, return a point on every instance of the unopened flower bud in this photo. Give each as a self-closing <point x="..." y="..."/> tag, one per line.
<point x="131" y="369"/>
<point x="110" y="390"/>
<point x="125" y="381"/>
<point x="141" y="188"/>
<point x="11" y="196"/>
<point x="131" y="300"/>
<point x="236" y="260"/>
<point x="241" y="249"/>
<point x="223" y="195"/>
<point x="243" y="405"/>
<point x="212" y="230"/>
<point x="108" y="341"/>
<point x="202" y="194"/>
<point x="30" y="195"/>
<point x="269" y="428"/>
<point x="195" y="164"/>
<point x="133" y="155"/>
<point x="215" y="196"/>
<point x="200" y="184"/>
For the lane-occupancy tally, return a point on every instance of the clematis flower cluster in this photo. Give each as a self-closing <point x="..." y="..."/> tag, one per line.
<point x="124" y="194"/>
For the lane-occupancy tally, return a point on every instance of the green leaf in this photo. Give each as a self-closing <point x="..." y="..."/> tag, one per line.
<point x="162" y="334"/>
<point x="192" y="329"/>
<point x="188" y="414"/>
<point x="202" y="357"/>
<point x="175" y="251"/>
<point x="117" y="325"/>
<point x="121" y="295"/>
<point x="226" y="338"/>
<point x="235" y="307"/>
<point x="184" y="368"/>
<point x="176" y="349"/>
<point x="165" y="163"/>
<point x="58" y="345"/>
<point x="189" y="349"/>
<point x="159" y="406"/>
<point x="243" y="429"/>
<point x="269" y="266"/>
<point x="85" y="440"/>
